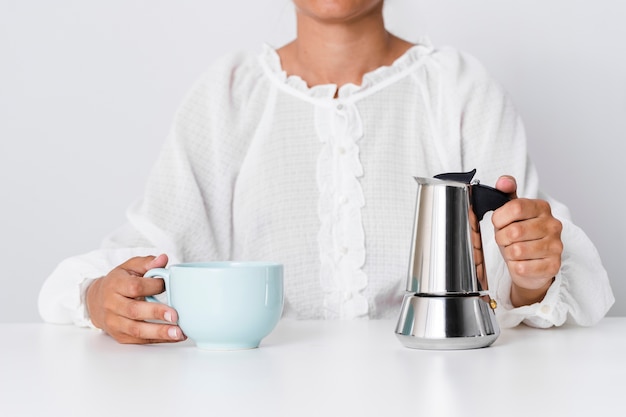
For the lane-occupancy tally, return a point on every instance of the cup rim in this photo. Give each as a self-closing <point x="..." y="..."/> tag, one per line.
<point x="227" y="264"/>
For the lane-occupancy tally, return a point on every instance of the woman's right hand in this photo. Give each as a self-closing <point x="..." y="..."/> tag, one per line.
<point x="116" y="304"/>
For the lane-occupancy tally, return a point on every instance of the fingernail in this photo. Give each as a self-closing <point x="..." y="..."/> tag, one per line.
<point x="168" y="316"/>
<point x="172" y="332"/>
<point x="156" y="258"/>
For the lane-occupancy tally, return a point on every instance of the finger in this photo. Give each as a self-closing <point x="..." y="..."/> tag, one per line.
<point x="507" y="184"/>
<point x="132" y="331"/>
<point x="522" y="231"/>
<point x="139" y="265"/>
<point x="533" y="274"/>
<point x="518" y="210"/>
<point x="533" y="250"/>
<point x="159" y="261"/>
<point x="137" y="287"/>
<point x="143" y="310"/>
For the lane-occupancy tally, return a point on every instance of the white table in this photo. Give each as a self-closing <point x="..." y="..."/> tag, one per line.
<point x="314" y="368"/>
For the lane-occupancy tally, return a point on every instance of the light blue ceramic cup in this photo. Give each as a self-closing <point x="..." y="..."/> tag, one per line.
<point x="224" y="305"/>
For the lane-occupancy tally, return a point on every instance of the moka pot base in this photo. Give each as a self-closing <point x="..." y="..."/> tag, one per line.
<point x="447" y="322"/>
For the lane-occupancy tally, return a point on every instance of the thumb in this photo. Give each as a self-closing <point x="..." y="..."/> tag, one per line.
<point x="158" y="262"/>
<point x="141" y="264"/>
<point x="507" y="184"/>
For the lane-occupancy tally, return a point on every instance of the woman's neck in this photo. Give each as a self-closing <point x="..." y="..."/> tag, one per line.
<point x="340" y="52"/>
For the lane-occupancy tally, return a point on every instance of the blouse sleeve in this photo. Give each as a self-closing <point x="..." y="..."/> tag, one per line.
<point x="494" y="142"/>
<point x="185" y="211"/>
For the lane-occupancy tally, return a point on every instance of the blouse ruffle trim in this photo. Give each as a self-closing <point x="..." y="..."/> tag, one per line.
<point x="341" y="237"/>
<point x="271" y="60"/>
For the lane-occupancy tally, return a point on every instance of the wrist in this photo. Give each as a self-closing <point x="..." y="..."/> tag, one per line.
<point x="521" y="296"/>
<point x="81" y="316"/>
<point x="89" y="292"/>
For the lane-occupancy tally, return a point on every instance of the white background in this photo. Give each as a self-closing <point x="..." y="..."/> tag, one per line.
<point x="88" y="90"/>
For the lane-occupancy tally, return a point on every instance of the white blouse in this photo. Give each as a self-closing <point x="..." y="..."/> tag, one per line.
<point x="259" y="166"/>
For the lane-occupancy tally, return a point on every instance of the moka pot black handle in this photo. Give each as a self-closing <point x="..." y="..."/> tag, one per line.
<point x="483" y="197"/>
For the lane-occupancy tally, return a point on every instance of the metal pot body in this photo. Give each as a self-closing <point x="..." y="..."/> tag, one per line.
<point x="446" y="305"/>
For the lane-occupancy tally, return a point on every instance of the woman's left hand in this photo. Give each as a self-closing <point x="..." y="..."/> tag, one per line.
<point x="529" y="238"/>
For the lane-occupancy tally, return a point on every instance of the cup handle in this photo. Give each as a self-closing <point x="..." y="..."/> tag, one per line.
<point x="158" y="273"/>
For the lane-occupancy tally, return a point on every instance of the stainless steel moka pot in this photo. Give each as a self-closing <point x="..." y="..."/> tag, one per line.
<point x="446" y="304"/>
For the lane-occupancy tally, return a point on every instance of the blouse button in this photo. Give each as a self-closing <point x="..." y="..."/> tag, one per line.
<point x="545" y="309"/>
<point x="339" y="106"/>
<point x="343" y="200"/>
<point x="344" y="250"/>
<point x="341" y="150"/>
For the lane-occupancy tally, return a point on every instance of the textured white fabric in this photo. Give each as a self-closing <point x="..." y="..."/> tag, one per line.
<point x="259" y="166"/>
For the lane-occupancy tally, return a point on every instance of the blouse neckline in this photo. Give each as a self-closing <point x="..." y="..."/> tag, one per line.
<point x="372" y="80"/>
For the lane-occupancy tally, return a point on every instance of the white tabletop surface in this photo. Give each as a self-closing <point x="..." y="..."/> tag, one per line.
<point x="315" y="368"/>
